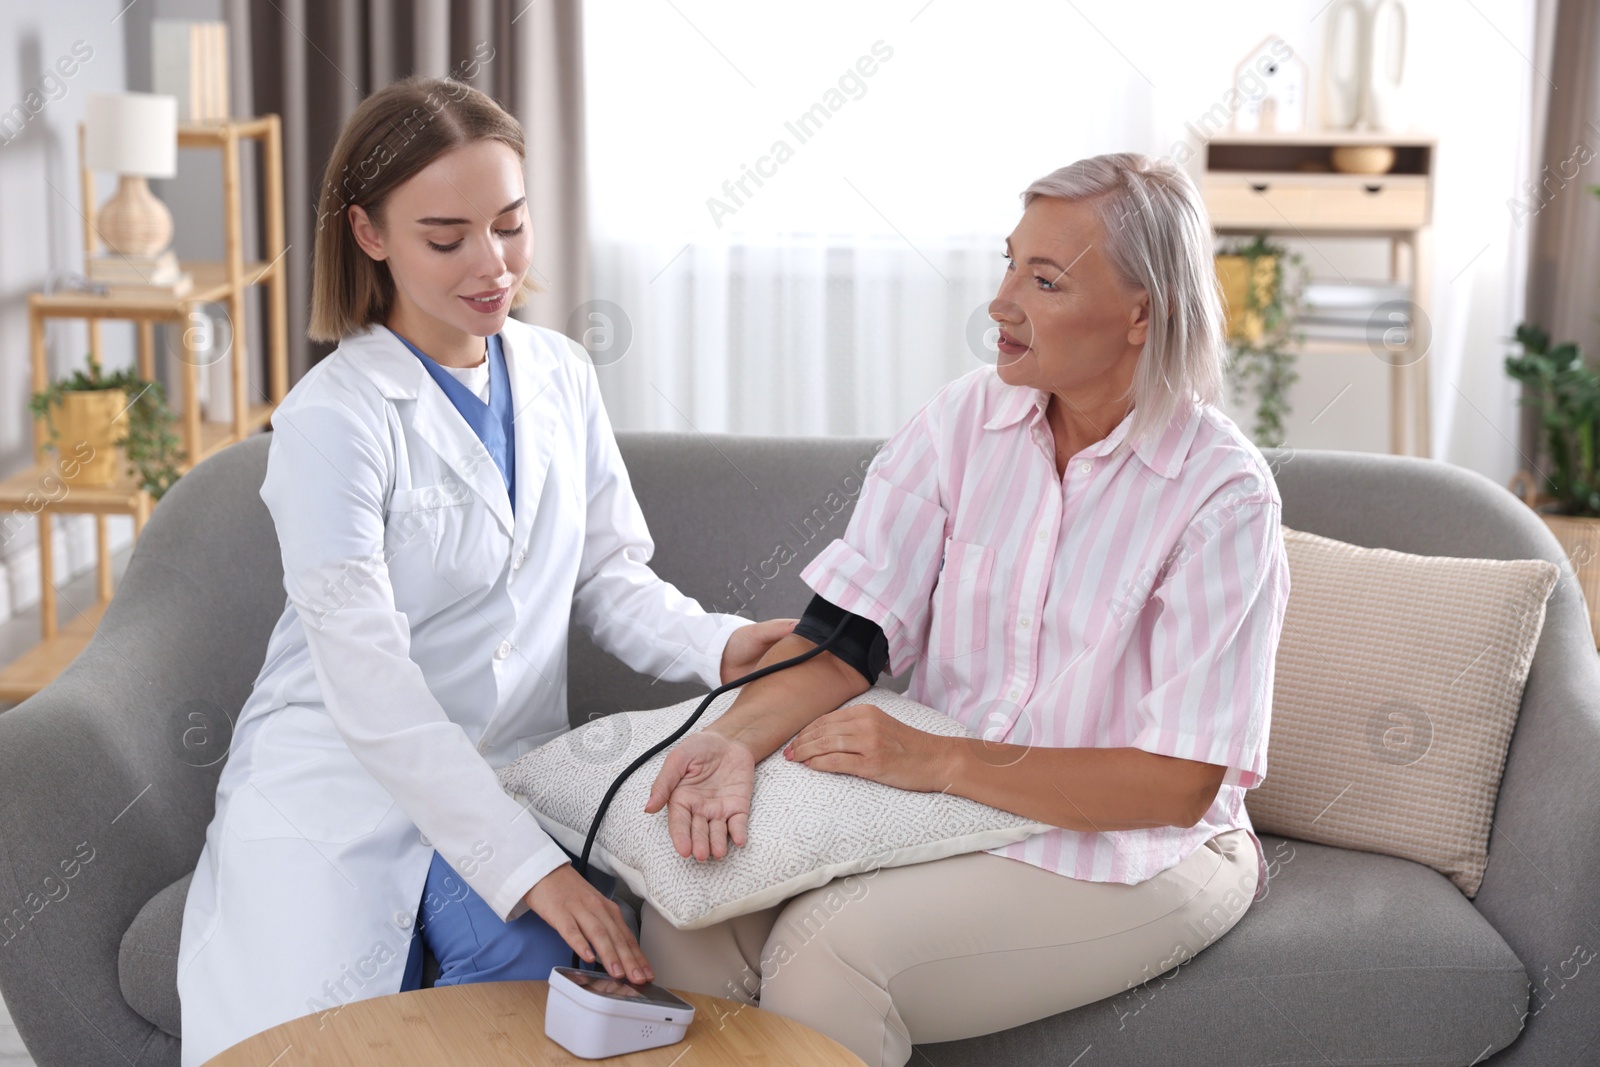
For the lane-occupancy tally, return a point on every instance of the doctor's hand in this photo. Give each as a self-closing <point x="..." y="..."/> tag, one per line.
<point x="746" y="645"/>
<point x="705" y="784"/>
<point x="589" y="922"/>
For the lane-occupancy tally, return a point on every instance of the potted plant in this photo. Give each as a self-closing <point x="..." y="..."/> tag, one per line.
<point x="1566" y="493"/>
<point x="93" y="411"/>
<point x="1261" y="284"/>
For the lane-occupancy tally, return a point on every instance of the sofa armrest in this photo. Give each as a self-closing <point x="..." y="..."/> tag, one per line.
<point x="1544" y="848"/>
<point x="110" y="772"/>
<point x="98" y="814"/>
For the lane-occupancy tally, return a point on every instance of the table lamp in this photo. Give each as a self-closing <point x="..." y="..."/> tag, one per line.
<point x="136" y="136"/>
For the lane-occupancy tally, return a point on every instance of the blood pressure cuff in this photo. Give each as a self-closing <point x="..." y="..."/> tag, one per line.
<point x="862" y="644"/>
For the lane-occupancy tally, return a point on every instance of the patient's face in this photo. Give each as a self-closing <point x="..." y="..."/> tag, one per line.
<point x="1060" y="296"/>
<point x="436" y="263"/>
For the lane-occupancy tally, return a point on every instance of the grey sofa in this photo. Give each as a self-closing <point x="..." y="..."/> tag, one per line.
<point x="1351" y="958"/>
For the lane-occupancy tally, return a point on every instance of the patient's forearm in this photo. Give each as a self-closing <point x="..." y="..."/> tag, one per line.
<point x="771" y="710"/>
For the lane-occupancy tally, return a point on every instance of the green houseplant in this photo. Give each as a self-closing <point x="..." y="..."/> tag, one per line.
<point x="148" y="441"/>
<point x="1565" y="493"/>
<point x="1565" y="390"/>
<point x="1262" y="283"/>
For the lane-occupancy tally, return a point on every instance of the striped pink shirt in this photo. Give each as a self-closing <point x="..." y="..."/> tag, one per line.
<point x="1135" y="600"/>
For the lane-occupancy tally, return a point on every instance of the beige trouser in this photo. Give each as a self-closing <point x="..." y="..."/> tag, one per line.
<point x="957" y="947"/>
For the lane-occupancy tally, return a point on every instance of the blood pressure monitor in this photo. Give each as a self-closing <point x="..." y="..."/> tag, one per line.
<point x="593" y="1015"/>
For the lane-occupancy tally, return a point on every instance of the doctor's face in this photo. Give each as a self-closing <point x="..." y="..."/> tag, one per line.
<point x="457" y="240"/>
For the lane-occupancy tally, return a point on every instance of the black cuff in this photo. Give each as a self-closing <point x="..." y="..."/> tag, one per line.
<point x="861" y="644"/>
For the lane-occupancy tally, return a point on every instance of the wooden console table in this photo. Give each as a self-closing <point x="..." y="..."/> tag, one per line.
<point x="1282" y="184"/>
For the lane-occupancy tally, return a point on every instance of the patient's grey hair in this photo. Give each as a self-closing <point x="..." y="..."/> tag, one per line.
<point x="1158" y="238"/>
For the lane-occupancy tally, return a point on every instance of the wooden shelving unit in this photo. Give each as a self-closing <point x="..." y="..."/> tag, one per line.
<point x="39" y="489"/>
<point x="1269" y="183"/>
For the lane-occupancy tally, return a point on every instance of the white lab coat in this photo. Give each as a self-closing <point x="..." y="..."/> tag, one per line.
<point x="423" y="644"/>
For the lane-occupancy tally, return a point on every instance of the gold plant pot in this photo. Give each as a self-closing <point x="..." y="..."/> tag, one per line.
<point x="89" y="422"/>
<point x="1580" y="540"/>
<point x="1234" y="272"/>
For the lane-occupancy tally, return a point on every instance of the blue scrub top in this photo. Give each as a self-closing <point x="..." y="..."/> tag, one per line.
<point x="491" y="421"/>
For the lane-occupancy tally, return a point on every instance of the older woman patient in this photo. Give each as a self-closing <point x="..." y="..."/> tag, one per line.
<point x="1080" y="558"/>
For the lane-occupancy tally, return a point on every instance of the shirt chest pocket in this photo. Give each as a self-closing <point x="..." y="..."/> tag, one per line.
<point x="440" y="543"/>
<point x="418" y="515"/>
<point x="960" y="620"/>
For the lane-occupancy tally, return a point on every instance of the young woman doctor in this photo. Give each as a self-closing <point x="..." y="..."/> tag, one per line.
<point x="447" y="493"/>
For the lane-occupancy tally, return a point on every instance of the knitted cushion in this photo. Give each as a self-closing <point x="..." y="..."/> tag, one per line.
<point x="806" y="826"/>
<point x="1398" y="682"/>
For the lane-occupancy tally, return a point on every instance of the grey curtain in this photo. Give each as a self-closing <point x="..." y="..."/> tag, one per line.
<point x="313" y="61"/>
<point x="1563" y="292"/>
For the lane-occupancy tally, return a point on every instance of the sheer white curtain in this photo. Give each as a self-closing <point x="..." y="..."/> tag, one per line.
<point x="835" y="295"/>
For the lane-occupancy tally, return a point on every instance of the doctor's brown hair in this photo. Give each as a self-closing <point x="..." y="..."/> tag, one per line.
<point x="390" y="136"/>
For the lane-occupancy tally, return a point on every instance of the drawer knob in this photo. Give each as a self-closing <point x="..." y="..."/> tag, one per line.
<point x="1375" y="187"/>
<point x="1259" y="187"/>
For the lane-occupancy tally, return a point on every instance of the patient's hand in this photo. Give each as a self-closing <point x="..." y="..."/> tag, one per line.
<point x="706" y="785"/>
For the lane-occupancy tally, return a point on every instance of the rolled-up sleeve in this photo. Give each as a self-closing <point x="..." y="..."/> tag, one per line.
<point x="632" y="612"/>
<point x="325" y="487"/>
<point x="885" y="566"/>
<point x="1218" y="612"/>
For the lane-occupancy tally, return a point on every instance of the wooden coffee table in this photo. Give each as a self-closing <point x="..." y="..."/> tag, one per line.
<point x="501" y="1024"/>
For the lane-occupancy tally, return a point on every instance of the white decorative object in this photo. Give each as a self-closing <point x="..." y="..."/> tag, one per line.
<point x="1387" y="109"/>
<point x="1271" y="83"/>
<point x="1363" y="67"/>
<point x="1344" y="65"/>
<point x="807" y="827"/>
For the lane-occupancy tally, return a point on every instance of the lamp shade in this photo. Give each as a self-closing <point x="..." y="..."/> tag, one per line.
<point x="132" y="133"/>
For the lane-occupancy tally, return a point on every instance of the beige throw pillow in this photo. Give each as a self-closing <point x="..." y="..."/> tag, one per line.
<point x="1398" y="682"/>
<point x="807" y="827"/>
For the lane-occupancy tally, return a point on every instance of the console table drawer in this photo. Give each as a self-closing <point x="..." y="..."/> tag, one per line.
<point x="1322" y="202"/>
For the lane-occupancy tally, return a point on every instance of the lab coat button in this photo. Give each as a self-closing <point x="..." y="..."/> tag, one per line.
<point x="402" y="919"/>
<point x="423" y="838"/>
<point x="521" y="556"/>
<point x="503" y="651"/>
<point x="483" y="746"/>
